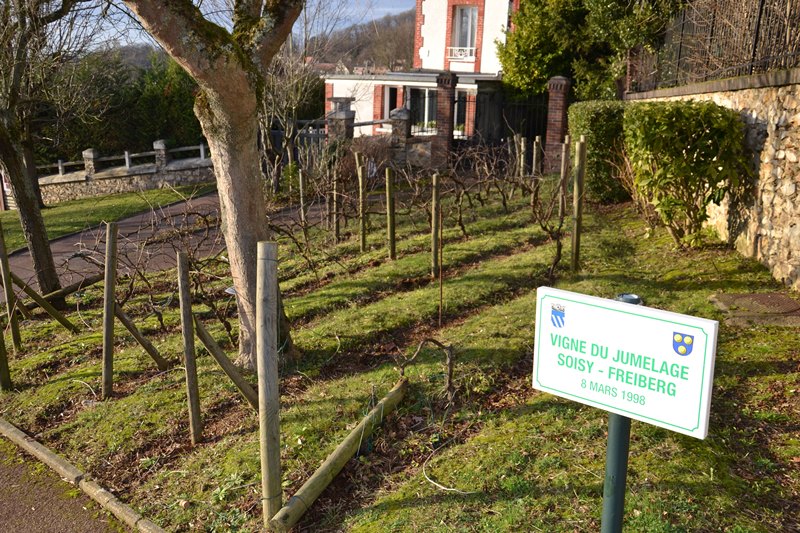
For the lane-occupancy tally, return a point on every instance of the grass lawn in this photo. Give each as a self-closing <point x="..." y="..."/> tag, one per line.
<point x="76" y="215"/>
<point x="514" y="459"/>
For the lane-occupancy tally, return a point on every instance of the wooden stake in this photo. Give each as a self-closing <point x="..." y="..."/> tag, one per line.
<point x="302" y="186"/>
<point x="311" y="489"/>
<point x="362" y="202"/>
<point x="390" y="233"/>
<point x="11" y="297"/>
<point x="192" y="390"/>
<point x="151" y="350"/>
<point x="435" y="227"/>
<point x="44" y="304"/>
<point x="227" y="366"/>
<point x="109" y="303"/>
<point x="577" y="204"/>
<point x="268" y="392"/>
<point x="562" y="200"/>
<point x="441" y="261"/>
<point x="336" y="207"/>
<point x="5" y="373"/>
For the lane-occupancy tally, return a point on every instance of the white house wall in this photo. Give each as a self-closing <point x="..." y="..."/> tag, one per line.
<point x="363" y="92"/>
<point x="494" y="26"/>
<point x="433" y="32"/>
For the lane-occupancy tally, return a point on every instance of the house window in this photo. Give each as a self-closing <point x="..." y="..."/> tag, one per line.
<point x="391" y="101"/>
<point x="422" y="104"/>
<point x="465" y="32"/>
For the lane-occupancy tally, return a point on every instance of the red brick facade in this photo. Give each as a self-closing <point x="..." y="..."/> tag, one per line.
<point x="418" y="40"/>
<point x="377" y="105"/>
<point x="328" y="96"/>
<point x="558" y="89"/>
<point x="442" y="142"/>
<point x="451" y="12"/>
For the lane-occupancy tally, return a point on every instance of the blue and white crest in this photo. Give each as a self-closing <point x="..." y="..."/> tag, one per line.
<point x="557" y="315"/>
<point x="682" y="343"/>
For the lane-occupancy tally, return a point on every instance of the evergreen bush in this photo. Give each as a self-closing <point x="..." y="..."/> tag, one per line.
<point x="600" y="121"/>
<point x="684" y="155"/>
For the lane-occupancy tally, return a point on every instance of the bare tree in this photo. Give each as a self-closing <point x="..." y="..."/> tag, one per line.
<point x="36" y="39"/>
<point x="292" y="83"/>
<point x="229" y="60"/>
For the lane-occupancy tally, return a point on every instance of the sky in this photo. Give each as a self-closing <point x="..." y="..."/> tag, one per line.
<point x="379" y="8"/>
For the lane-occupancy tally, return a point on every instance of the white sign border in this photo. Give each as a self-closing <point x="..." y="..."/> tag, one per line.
<point x="701" y="429"/>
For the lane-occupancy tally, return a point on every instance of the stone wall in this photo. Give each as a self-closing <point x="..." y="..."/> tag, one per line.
<point x="766" y="224"/>
<point x="75" y="185"/>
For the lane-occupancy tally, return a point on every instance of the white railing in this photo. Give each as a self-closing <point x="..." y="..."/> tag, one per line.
<point x="461" y="53"/>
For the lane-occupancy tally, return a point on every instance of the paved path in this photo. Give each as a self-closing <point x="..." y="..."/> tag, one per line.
<point x="34" y="500"/>
<point x="80" y="255"/>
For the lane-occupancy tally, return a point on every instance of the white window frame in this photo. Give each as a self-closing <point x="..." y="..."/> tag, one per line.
<point x="465" y="47"/>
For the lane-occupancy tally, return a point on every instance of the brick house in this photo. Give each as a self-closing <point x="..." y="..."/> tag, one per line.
<point x="455" y="35"/>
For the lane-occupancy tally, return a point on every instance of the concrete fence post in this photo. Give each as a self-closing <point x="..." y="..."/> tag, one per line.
<point x="90" y="156"/>
<point x="162" y="156"/>
<point x="557" y="104"/>
<point x="342" y="119"/>
<point x="127" y="159"/>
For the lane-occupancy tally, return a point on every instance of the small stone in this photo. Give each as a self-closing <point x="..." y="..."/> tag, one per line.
<point x="780" y="154"/>
<point x="791" y="156"/>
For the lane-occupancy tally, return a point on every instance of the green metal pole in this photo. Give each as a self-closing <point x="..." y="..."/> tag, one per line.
<point x="619" y="440"/>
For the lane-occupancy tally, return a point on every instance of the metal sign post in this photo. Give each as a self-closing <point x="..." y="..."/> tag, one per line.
<point x="632" y="361"/>
<point x="617" y="451"/>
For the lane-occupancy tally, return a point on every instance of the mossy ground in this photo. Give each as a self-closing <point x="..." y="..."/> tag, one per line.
<point x="521" y="460"/>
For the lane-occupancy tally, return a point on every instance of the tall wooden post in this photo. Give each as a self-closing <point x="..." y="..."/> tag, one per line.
<point x="435" y="207"/>
<point x="5" y="373"/>
<point x="302" y="186"/>
<point x="523" y="157"/>
<point x="562" y="200"/>
<point x="362" y="201"/>
<point x="189" y="362"/>
<point x="109" y="302"/>
<point x="335" y="215"/>
<point x="11" y="297"/>
<point x="268" y="392"/>
<point x="390" y="213"/>
<point x="577" y="204"/>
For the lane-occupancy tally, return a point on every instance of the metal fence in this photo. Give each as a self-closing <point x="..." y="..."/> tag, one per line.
<point x="714" y="39"/>
<point x="490" y="117"/>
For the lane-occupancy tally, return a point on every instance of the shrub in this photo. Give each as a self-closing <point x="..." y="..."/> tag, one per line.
<point x="601" y="122"/>
<point x="684" y="155"/>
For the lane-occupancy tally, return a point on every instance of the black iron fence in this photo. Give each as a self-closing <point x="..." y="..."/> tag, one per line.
<point x="714" y="39"/>
<point x="490" y="117"/>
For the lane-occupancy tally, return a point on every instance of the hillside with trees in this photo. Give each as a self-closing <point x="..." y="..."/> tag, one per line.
<point x="385" y="43"/>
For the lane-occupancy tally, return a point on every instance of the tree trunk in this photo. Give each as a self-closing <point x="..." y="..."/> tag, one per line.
<point x="29" y="214"/>
<point x="29" y="160"/>
<point x="232" y="138"/>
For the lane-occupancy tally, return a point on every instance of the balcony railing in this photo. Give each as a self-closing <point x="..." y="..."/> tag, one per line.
<point x="461" y="53"/>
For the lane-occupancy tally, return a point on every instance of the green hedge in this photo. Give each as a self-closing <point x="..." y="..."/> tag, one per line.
<point x="684" y="155"/>
<point x="600" y="121"/>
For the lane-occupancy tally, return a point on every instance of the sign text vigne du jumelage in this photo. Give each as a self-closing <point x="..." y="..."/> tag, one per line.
<point x="622" y="368"/>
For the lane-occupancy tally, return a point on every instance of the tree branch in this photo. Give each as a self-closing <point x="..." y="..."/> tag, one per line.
<point x="179" y="26"/>
<point x="275" y="25"/>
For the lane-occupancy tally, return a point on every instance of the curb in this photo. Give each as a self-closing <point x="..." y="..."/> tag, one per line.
<point x="69" y="473"/>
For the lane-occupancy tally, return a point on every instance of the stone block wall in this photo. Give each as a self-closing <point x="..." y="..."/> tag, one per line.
<point x="766" y="225"/>
<point x="76" y="185"/>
